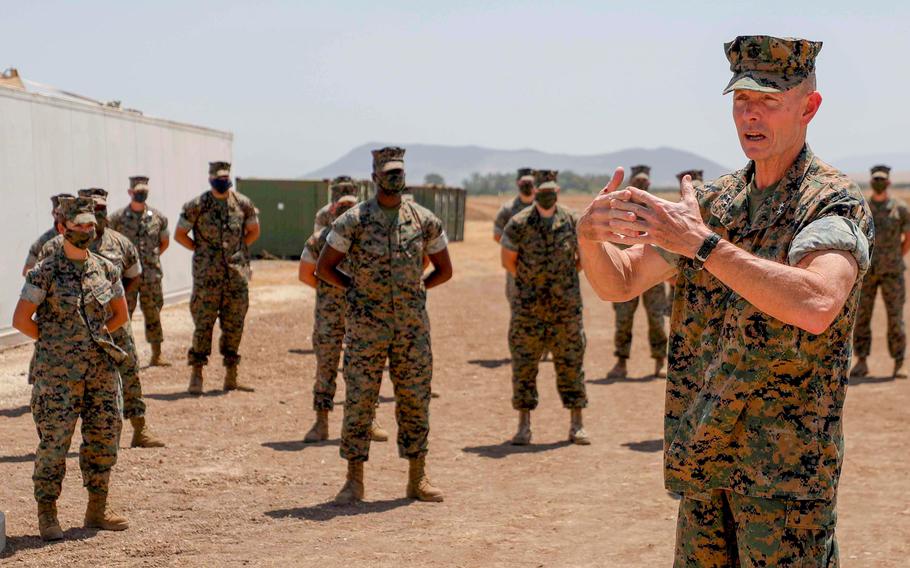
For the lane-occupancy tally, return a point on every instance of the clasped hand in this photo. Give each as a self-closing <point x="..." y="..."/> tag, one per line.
<point x="631" y="216"/>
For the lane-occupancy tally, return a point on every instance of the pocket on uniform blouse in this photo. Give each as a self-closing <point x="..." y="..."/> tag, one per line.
<point x="104" y="293"/>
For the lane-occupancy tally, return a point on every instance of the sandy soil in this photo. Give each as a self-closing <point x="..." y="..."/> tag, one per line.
<point x="236" y="487"/>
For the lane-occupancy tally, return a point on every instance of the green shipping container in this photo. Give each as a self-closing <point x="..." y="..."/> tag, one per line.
<point x="287" y="211"/>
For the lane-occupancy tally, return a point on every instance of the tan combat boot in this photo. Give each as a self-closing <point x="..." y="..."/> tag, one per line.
<point x="158" y="359"/>
<point x="353" y="490"/>
<point x="419" y="485"/>
<point x="577" y="434"/>
<point x="320" y="430"/>
<point x="377" y="432"/>
<point x="899" y="369"/>
<point x="861" y="369"/>
<point x="619" y="370"/>
<point x="230" y="380"/>
<point x="659" y="368"/>
<point x="98" y="516"/>
<point x="523" y="436"/>
<point x="142" y="437"/>
<point x="195" y="380"/>
<point x="48" y="526"/>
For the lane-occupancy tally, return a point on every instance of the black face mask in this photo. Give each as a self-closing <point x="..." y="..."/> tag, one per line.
<point x="391" y="181"/>
<point x="79" y="239"/>
<point x="140" y="196"/>
<point x="221" y="185"/>
<point x="879" y="186"/>
<point x="526" y="188"/>
<point x="546" y="199"/>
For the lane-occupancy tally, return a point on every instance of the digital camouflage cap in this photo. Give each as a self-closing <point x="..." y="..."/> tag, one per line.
<point x="881" y="171"/>
<point x="218" y="169"/>
<point x="388" y="158"/>
<point x="770" y="64"/>
<point x="525" y="174"/>
<point x="79" y="210"/>
<point x="546" y="179"/>
<point x="342" y="185"/>
<point x="696" y="175"/>
<point x="139" y="182"/>
<point x="55" y="199"/>
<point x="641" y="170"/>
<point x="98" y="195"/>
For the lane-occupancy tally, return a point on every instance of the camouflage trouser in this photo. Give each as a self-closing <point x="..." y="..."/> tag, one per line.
<point x="727" y="529"/>
<point x="670" y="294"/>
<point x="655" y="300"/>
<point x="405" y="342"/>
<point x="56" y="405"/>
<point x="228" y="303"/>
<point x="133" y="405"/>
<point x="511" y="290"/>
<point x="328" y="335"/>
<point x="893" y="293"/>
<point x="151" y="300"/>
<point x="529" y="338"/>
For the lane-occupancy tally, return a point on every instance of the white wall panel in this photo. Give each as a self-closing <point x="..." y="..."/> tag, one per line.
<point x="49" y="146"/>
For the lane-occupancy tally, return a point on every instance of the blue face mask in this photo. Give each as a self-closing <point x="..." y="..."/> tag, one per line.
<point x="220" y="185"/>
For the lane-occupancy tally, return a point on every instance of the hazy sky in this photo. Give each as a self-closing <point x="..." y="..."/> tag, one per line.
<point x="300" y="83"/>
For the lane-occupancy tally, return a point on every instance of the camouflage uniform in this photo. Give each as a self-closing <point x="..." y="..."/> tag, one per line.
<point x="698" y="180"/>
<point x="753" y="436"/>
<point x="508" y="210"/>
<point x="221" y="272"/>
<point x="655" y="301"/>
<point x="386" y="318"/>
<point x="547" y="311"/>
<point x="891" y="219"/>
<point x="328" y="328"/>
<point x="338" y="187"/>
<point x="74" y="367"/>
<point x="35" y="249"/>
<point x="145" y="230"/>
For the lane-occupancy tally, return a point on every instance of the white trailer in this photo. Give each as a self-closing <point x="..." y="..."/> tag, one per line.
<point x="52" y="145"/>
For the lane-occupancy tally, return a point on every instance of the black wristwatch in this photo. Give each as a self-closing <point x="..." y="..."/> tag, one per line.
<point x="706" y="249"/>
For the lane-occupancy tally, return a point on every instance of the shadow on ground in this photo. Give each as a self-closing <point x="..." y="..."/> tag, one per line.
<point x="15" y="412"/>
<point x="328" y="511"/>
<point x="646" y="445"/>
<point x="490" y="363"/>
<point x="171" y="396"/>
<point x="505" y="449"/>
<point x="297" y="445"/>
<point x="856" y="381"/>
<point x="28" y="458"/>
<point x="631" y="380"/>
<point x="16" y="544"/>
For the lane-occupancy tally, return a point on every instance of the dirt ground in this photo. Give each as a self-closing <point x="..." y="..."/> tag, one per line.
<point x="236" y="487"/>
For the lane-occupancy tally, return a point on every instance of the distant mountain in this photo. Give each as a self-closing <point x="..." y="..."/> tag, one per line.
<point x="456" y="163"/>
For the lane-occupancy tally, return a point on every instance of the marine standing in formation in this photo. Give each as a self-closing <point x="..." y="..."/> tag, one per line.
<point x="77" y="302"/>
<point x="224" y="223"/>
<point x="146" y="228"/>
<point x="47" y="235"/>
<point x="524" y="181"/>
<point x="753" y="430"/>
<point x="383" y="242"/>
<point x="540" y="250"/>
<point x="119" y="251"/>
<point x="328" y="329"/>
<point x="891" y="218"/>
<point x="655" y="301"/>
<point x="338" y="187"/>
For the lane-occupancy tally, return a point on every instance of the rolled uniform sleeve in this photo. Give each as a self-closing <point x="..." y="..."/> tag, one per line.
<point x="434" y="235"/>
<point x="189" y="215"/>
<point x="511" y="237"/>
<point x="343" y="231"/>
<point x="831" y="233"/>
<point x="37" y="282"/>
<point x="250" y="213"/>
<point x="502" y="218"/>
<point x="310" y="252"/>
<point x="132" y="266"/>
<point x="904" y="213"/>
<point x="162" y="232"/>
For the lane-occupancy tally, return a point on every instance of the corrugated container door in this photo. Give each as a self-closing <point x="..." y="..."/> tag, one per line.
<point x="287" y="210"/>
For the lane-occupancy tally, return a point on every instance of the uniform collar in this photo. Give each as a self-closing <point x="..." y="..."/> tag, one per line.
<point x="732" y="207"/>
<point x="405" y="213"/>
<point x="559" y="217"/>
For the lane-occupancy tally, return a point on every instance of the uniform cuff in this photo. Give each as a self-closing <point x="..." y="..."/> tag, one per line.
<point x="184" y="224"/>
<point x="506" y="242"/>
<point x="307" y="256"/>
<point x="32" y="293"/>
<point x="438" y="244"/>
<point x="831" y="233"/>
<point x="133" y="271"/>
<point x="338" y="242"/>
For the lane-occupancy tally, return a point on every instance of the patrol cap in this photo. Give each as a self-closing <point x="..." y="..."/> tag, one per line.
<point x="218" y="169"/>
<point x="342" y="185"/>
<point x="55" y="199"/>
<point x="881" y="171"/>
<point x="641" y="170"/>
<point x="696" y="175"/>
<point x="139" y="182"/>
<point x="387" y="159"/>
<point x="770" y="64"/>
<point x="79" y="210"/>
<point x="98" y="195"/>
<point x="546" y="179"/>
<point x="525" y="174"/>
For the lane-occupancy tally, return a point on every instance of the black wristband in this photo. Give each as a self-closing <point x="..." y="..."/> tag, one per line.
<point x="706" y="249"/>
